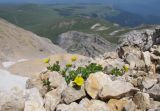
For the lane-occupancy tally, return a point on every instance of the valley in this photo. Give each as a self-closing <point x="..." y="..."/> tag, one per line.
<point x="52" y="20"/>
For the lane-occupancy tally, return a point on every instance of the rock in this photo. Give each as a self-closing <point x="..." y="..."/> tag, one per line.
<point x="9" y="81"/>
<point x="12" y="100"/>
<point x="124" y="50"/>
<point x="58" y="84"/>
<point x="94" y="105"/>
<point x="141" y="39"/>
<point x="110" y="55"/>
<point x="117" y="89"/>
<point x="97" y="105"/>
<point x="156" y="50"/>
<point x="57" y="81"/>
<point x="134" y="61"/>
<point x="95" y="83"/>
<point x="71" y="107"/>
<point x="121" y="105"/>
<point x="71" y="94"/>
<point x="154" y="92"/>
<point x="130" y="106"/>
<point x="156" y="36"/>
<point x="155" y="106"/>
<point x="12" y="88"/>
<point x="113" y="63"/>
<point x="36" y="82"/>
<point x="33" y="100"/>
<point x="52" y="99"/>
<point x="142" y="100"/>
<point x="148" y="82"/>
<point x="147" y="58"/>
<point x="84" y="44"/>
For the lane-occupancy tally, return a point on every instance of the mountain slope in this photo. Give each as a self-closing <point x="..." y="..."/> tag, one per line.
<point x="17" y="43"/>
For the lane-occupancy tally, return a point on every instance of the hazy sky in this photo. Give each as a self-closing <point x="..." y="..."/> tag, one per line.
<point x="138" y="6"/>
<point x="98" y="1"/>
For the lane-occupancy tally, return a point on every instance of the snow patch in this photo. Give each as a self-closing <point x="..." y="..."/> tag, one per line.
<point x="10" y="63"/>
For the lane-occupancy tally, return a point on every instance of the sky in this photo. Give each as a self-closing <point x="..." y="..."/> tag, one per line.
<point x="148" y="7"/>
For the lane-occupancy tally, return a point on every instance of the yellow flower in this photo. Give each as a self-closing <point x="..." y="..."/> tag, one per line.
<point x="79" y="80"/>
<point x="46" y="60"/>
<point x="73" y="58"/>
<point x="69" y="65"/>
<point x="125" y="68"/>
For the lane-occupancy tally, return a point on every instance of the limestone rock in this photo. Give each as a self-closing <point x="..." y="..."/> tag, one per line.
<point x="71" y="107"/>
<point x="57" y="81"/>
<point x="110" y="55"/>
<point x="148" y="82"/>
<point x="147" y="58"/>
<point x="142" y="100"/>
<point x="133" y="61"/>
<point x="155" y="106"/>
<point x="154" y="92"/>
<point x="52" y="99"/>
<point x="95" y="83"/>
<point x="117" y="89"/>
<point x="121" y="105"/>
<point x="71" y="94"/>
<point x="97" y="105"/>
<point x="141" y="39"/>
<point x="33" y="100"/>
<point x="12" y="100"/>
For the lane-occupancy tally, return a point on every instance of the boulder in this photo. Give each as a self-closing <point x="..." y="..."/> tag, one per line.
<point x="147" y="59"/>
<point x="134" y="61"/>
<point x="12" y="89"/>
<point x="71" y="107"/>
<point x="71" y="94"/>
<point x="121" y="105"/>
<point x="94" y="105"/>
<point x="36" y="83"/>
<point x="33" y="100"/>
<point x="12" y="100"/>
<point x="124" y="50"/>
<point x="148" y="82"/>
<point x="52" y="99"/>
<point x="142" y="100"/>
<point x="110" y="55"/>
<point x="154" y="92"/>
<point x="141" y="39"/>
<point x="57" y="81"/>
<point x="97" y="105"/>
<point x="95" y="83"/>
<point x="155" y="106"/>
<point x="117" y="89"/>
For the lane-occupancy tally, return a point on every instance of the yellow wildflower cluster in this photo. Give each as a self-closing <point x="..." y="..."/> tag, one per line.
<point x="79" y="81"/>
<point x="46" y="60"/>
<point x="73" y="58"/>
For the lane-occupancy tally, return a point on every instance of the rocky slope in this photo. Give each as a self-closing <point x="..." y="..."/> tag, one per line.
<point x="85" y="44"/>
<point x="16" y="43"/>
<point x="130" y="80"/>
<point x="137" y="89"/>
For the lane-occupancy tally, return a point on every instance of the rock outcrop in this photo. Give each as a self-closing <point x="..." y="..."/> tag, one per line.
<point x="84" y="44"/>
